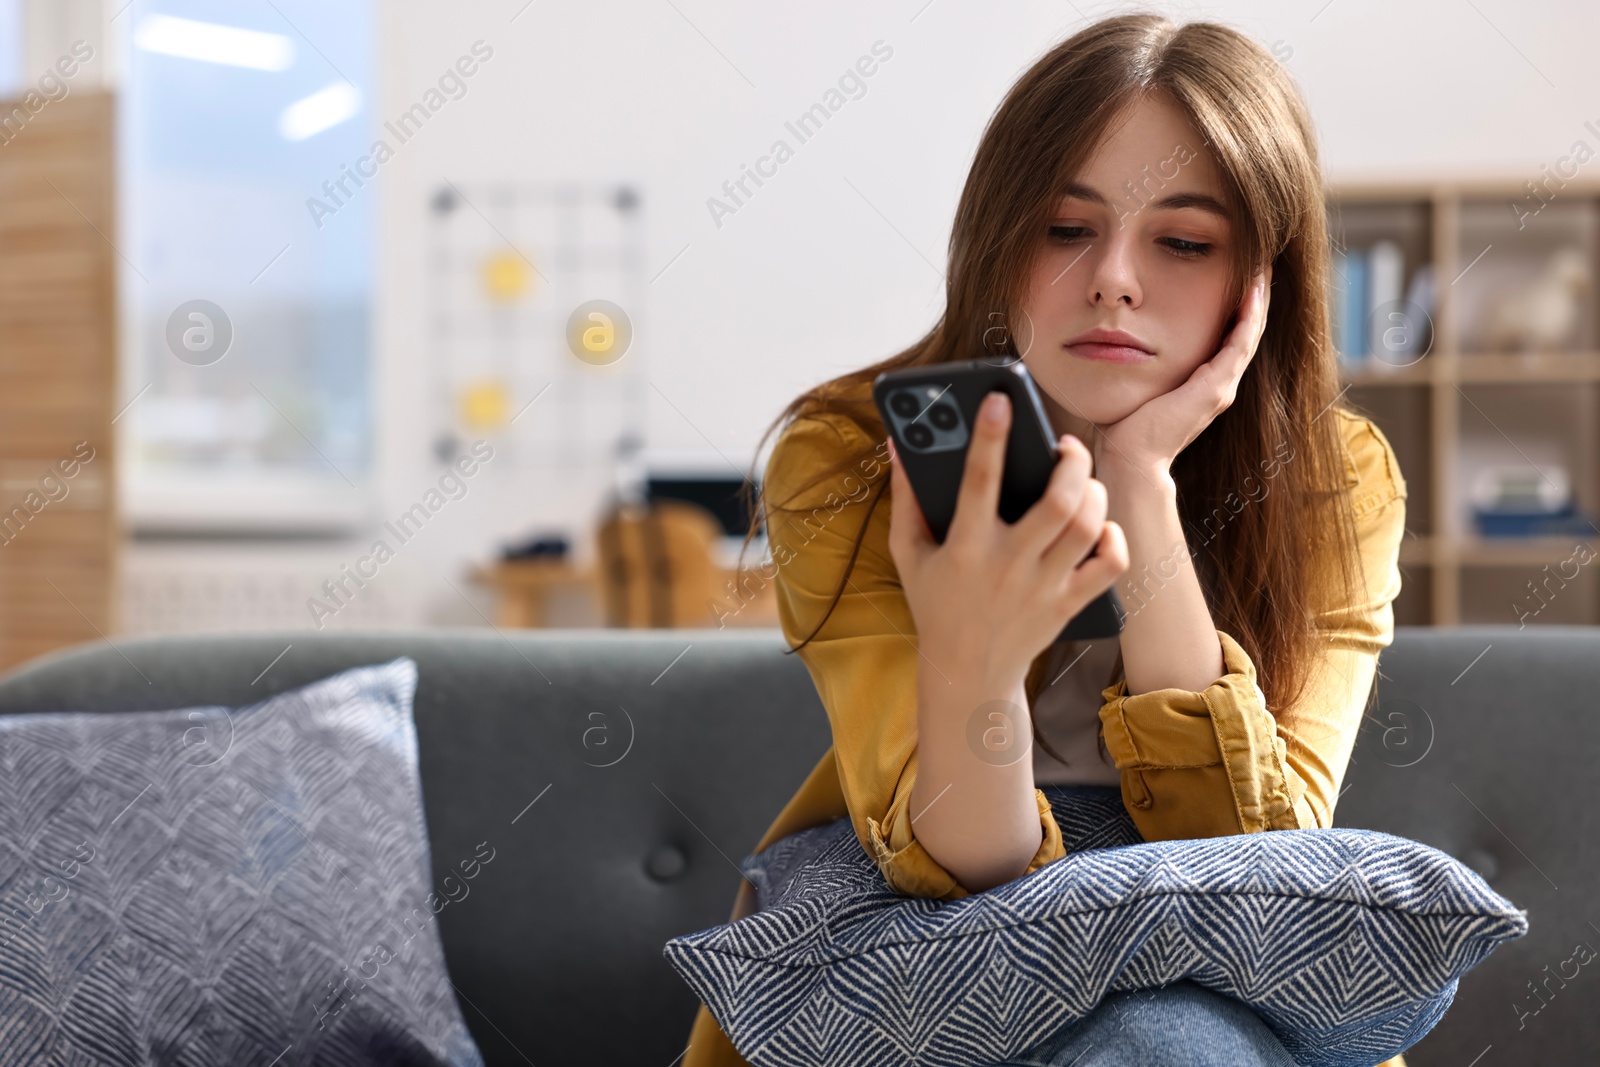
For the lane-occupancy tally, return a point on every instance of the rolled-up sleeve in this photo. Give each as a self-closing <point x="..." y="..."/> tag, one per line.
<point x="863" y="660"/>
<point x="1217" y="761"/>
<point x="909" y="868"/>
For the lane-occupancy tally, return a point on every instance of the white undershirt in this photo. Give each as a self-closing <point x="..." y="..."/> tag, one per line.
<point x="1067" y="713"/>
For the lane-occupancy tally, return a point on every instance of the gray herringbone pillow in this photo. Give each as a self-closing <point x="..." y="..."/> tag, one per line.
<point x="1348" y="943"/>
<point x="212" y="886"/>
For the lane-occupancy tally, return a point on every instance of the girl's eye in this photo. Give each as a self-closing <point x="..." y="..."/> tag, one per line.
<point x="1177" y="245"/>
<point x="1188" y="249"/>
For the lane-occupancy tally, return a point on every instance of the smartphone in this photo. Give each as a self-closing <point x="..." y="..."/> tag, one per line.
<point x="929" y="412"/>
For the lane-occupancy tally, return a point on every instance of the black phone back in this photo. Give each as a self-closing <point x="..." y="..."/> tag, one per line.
<point x="930" y="412"/>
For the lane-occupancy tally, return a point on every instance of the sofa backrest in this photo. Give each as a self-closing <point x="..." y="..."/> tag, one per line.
<point x="1483" y="742"/>
<point x="620" y="776"/>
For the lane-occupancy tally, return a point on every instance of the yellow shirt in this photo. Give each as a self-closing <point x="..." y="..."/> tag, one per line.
<point x="1193" y="764"/>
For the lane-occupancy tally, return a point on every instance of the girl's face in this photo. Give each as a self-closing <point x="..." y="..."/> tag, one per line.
<point x="1141" y="246"/>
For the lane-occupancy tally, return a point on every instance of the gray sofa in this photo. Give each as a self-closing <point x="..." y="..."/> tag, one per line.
<point x="627" y="772"/>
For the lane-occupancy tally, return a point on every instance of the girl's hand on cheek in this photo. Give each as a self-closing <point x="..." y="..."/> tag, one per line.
<point x="1148" y="440"/>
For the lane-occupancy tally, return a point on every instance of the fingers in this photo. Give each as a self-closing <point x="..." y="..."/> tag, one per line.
<point x="1263" y="299"/>
<point x="908" y="527"/>
<point x="978" y="499"/>
<point x="1078" y="535"/>
<point x="1256" y="307"/>
<point x="1252" y="317"/>
<point x="1109" y="562"/>
<point x="1239" y="347"/>
<point x="1049" y="515"/>
<point x="1081" y="584"/>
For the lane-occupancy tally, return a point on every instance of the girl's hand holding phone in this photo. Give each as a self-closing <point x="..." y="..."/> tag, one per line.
<point x="995" y="594"/>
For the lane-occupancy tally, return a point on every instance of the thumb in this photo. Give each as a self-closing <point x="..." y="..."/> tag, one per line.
<point x="908" y="527"/>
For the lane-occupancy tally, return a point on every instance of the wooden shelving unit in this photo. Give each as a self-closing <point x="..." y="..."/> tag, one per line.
<point x="1461" y="406"/>
<point x="60" y="536"/>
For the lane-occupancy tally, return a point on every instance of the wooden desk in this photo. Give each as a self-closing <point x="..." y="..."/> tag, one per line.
<point x="524" y="586"/>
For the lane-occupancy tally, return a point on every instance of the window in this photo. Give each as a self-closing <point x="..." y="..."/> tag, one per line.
<point x="10" y="47"/>
<point x="246" y="313"/>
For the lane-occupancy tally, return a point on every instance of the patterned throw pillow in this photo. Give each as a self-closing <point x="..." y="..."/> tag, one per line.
<point x="208" y="886"/>
<point x="1348" y="943"/>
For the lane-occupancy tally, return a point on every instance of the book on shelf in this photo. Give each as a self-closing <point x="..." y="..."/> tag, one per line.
<point x="1378" y="322"/>
<point x="1389" y="336"/>
<point x="1349" y="280"/>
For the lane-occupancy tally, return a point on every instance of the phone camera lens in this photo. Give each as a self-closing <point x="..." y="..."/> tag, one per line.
<point x="905" y="405"/>
<point x="918" y="435"/>
<point x="944" y="416"/>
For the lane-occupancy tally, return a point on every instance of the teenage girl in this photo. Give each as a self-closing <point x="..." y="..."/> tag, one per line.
<point x="1143" y="196"/>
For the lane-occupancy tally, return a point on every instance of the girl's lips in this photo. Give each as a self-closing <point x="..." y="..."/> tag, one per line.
<point x="1110" y="353"/>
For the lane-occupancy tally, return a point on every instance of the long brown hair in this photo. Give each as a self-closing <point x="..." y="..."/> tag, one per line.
<point x="1255" y="563"/>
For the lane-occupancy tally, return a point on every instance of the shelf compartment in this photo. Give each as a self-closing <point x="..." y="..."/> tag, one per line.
<point x="1500" y="255"/>
<point x="1504" y="596"/>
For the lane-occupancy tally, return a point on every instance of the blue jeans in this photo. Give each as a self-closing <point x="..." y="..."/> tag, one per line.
<point x="1180" y="1025"/>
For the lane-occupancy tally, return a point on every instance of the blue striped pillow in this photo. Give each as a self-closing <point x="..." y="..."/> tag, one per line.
<point x="1348" y="943"/>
